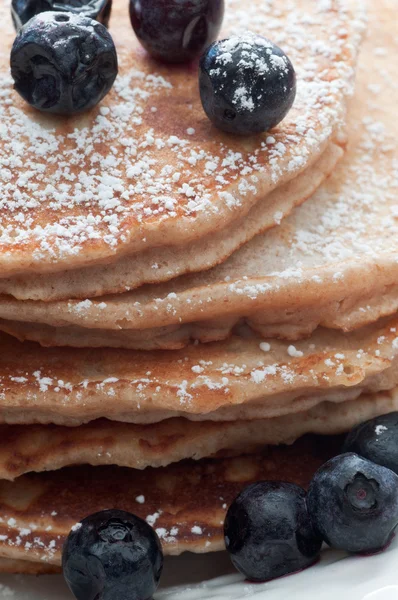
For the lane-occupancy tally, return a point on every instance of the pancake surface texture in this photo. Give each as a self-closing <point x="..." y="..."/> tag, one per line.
<point x="146" y="168"/>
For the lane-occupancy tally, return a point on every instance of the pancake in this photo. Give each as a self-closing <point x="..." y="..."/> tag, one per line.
<point x="171" y="337"/>
<point x="27" y="567"/>
<point x="27" y="448"/>
<point x="245" y="377"/>
<point x="331" y="263"/>
<point x="164" y="263"/>
<point x="38" y="510"/>
<point x="146" y="168"/>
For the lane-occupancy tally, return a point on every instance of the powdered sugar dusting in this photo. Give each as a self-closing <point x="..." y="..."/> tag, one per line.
<point x="341" y="244"/>
<point x="379" y="429"/>
<point x="102" y="181"/>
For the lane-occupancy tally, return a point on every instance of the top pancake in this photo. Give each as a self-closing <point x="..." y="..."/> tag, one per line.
<point x="163" y="263"/>
<point x="146" y="168"/>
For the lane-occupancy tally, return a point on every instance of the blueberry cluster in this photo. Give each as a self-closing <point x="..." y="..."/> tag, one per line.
<point x="271" y="529"/>
<point x="64" y="60"/>
<point x="274" y="529"/>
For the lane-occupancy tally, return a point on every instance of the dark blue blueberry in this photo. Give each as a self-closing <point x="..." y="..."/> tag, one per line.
<point x="247" y="84"/>
<point x="63" y="63"/>
<point x="353" y="504"/>
<point x="268" y="532"/>
<point x="112" y="555"/>
<point x="376" y="440"/>
<point x="23" y="10"/>
<point x="176" y="30"/>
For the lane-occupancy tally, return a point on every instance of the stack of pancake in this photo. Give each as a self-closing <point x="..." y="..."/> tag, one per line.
<point x="173" y="321"/>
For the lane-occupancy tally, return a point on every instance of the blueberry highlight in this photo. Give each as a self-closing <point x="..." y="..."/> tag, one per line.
<point x="176" y="31"/>
<point x="63" y="63"/>
<point x="247" y="84"/>
<point x="112" y="555"/>
<point x="353" y="504"/>
<point x="24" y="10"/>
<point x="268" y="532"/>
<point x="376" y="440"/>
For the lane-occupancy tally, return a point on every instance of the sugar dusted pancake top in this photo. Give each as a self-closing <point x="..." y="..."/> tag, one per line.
<point x="146" y="167"/>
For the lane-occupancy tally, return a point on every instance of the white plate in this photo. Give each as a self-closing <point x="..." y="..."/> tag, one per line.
<point x="211" y="577"/>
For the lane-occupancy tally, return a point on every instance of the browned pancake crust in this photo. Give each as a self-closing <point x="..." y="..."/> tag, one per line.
<point x="27" y="448"/>
<point x="228" y="380"/>
<point x="187" y="501"/>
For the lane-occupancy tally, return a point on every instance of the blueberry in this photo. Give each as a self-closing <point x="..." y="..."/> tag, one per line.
<point x="353" y="504"/>
<point x="63" y="63"/>
<point x="112" y="555"/>
<point x="376" y="440"/>
<point x="23" y="10"/>
<point x="268" y="532"/>
<point x="247" y="84"/>
<point x="176" y="30"/>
